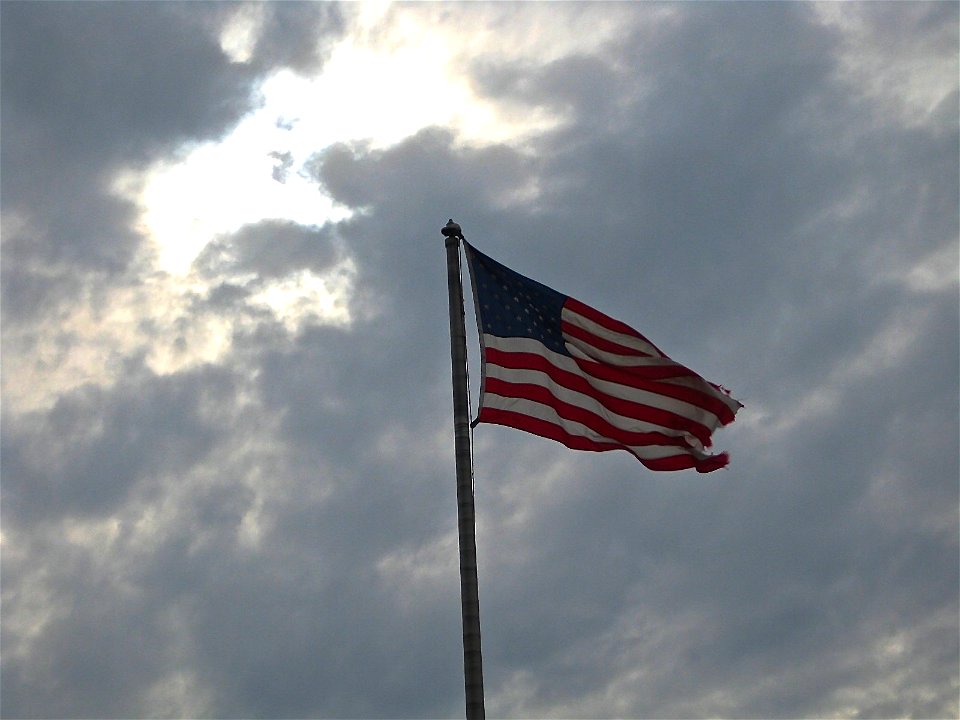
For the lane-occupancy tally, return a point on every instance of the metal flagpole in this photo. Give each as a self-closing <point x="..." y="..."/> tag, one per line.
<point x="469" y="596"/>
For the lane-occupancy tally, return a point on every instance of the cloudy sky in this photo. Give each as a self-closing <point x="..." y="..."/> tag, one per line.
<point x="227" y="439"/>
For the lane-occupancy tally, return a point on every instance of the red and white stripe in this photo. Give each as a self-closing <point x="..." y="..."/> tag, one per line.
<point x="617" y="391"/>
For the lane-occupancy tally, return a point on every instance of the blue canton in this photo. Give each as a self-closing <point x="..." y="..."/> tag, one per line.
<point x="511" y="305"/>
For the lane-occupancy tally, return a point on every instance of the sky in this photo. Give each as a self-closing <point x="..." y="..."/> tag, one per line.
<point x="228" y="483"/>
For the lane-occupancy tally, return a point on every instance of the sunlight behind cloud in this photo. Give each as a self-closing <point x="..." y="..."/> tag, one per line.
<point x="239" y="36"/>
<point x="398" y="69"/>
<point x="299" y="295"/>
<point x="394" y="74"/>
<point x="218" y="189"/>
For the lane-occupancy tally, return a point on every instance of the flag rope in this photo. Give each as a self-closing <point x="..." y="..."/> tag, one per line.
<point x="466" y="361"/>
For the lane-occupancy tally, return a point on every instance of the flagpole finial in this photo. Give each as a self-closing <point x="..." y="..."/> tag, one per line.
<point x="452" y="230"/>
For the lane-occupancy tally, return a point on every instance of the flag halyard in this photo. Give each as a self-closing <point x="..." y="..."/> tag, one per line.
<point x="560" y="369"/>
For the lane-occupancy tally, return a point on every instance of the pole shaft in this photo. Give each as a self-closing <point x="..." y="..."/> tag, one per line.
<point x="469" y="594"/>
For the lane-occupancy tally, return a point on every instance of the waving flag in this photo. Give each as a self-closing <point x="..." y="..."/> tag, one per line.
<point x="557" y="368"/>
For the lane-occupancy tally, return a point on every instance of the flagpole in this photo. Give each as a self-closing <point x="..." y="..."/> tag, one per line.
<point x="469" y="595"/>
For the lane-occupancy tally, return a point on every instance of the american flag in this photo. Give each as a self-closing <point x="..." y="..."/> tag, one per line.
<point x="557" y="368"/>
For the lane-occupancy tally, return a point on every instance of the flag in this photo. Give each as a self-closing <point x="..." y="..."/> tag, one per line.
<point x="558" y="368"/>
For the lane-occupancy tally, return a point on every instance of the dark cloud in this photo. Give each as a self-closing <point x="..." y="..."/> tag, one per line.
<point x="272" y="249"/>
<point x="706" y="164"/>
<point x="393" y="246"/>
<point x="59" y="462"/>
<point x="296" y="35"/>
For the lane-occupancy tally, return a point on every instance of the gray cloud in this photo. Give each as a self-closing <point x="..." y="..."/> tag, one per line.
<point x="277" y="529"/>
<point x="271" y="248"/>
<point x="282" y="168"/>
<point x="60" y="462"/>
<point x="297" y="35"/>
